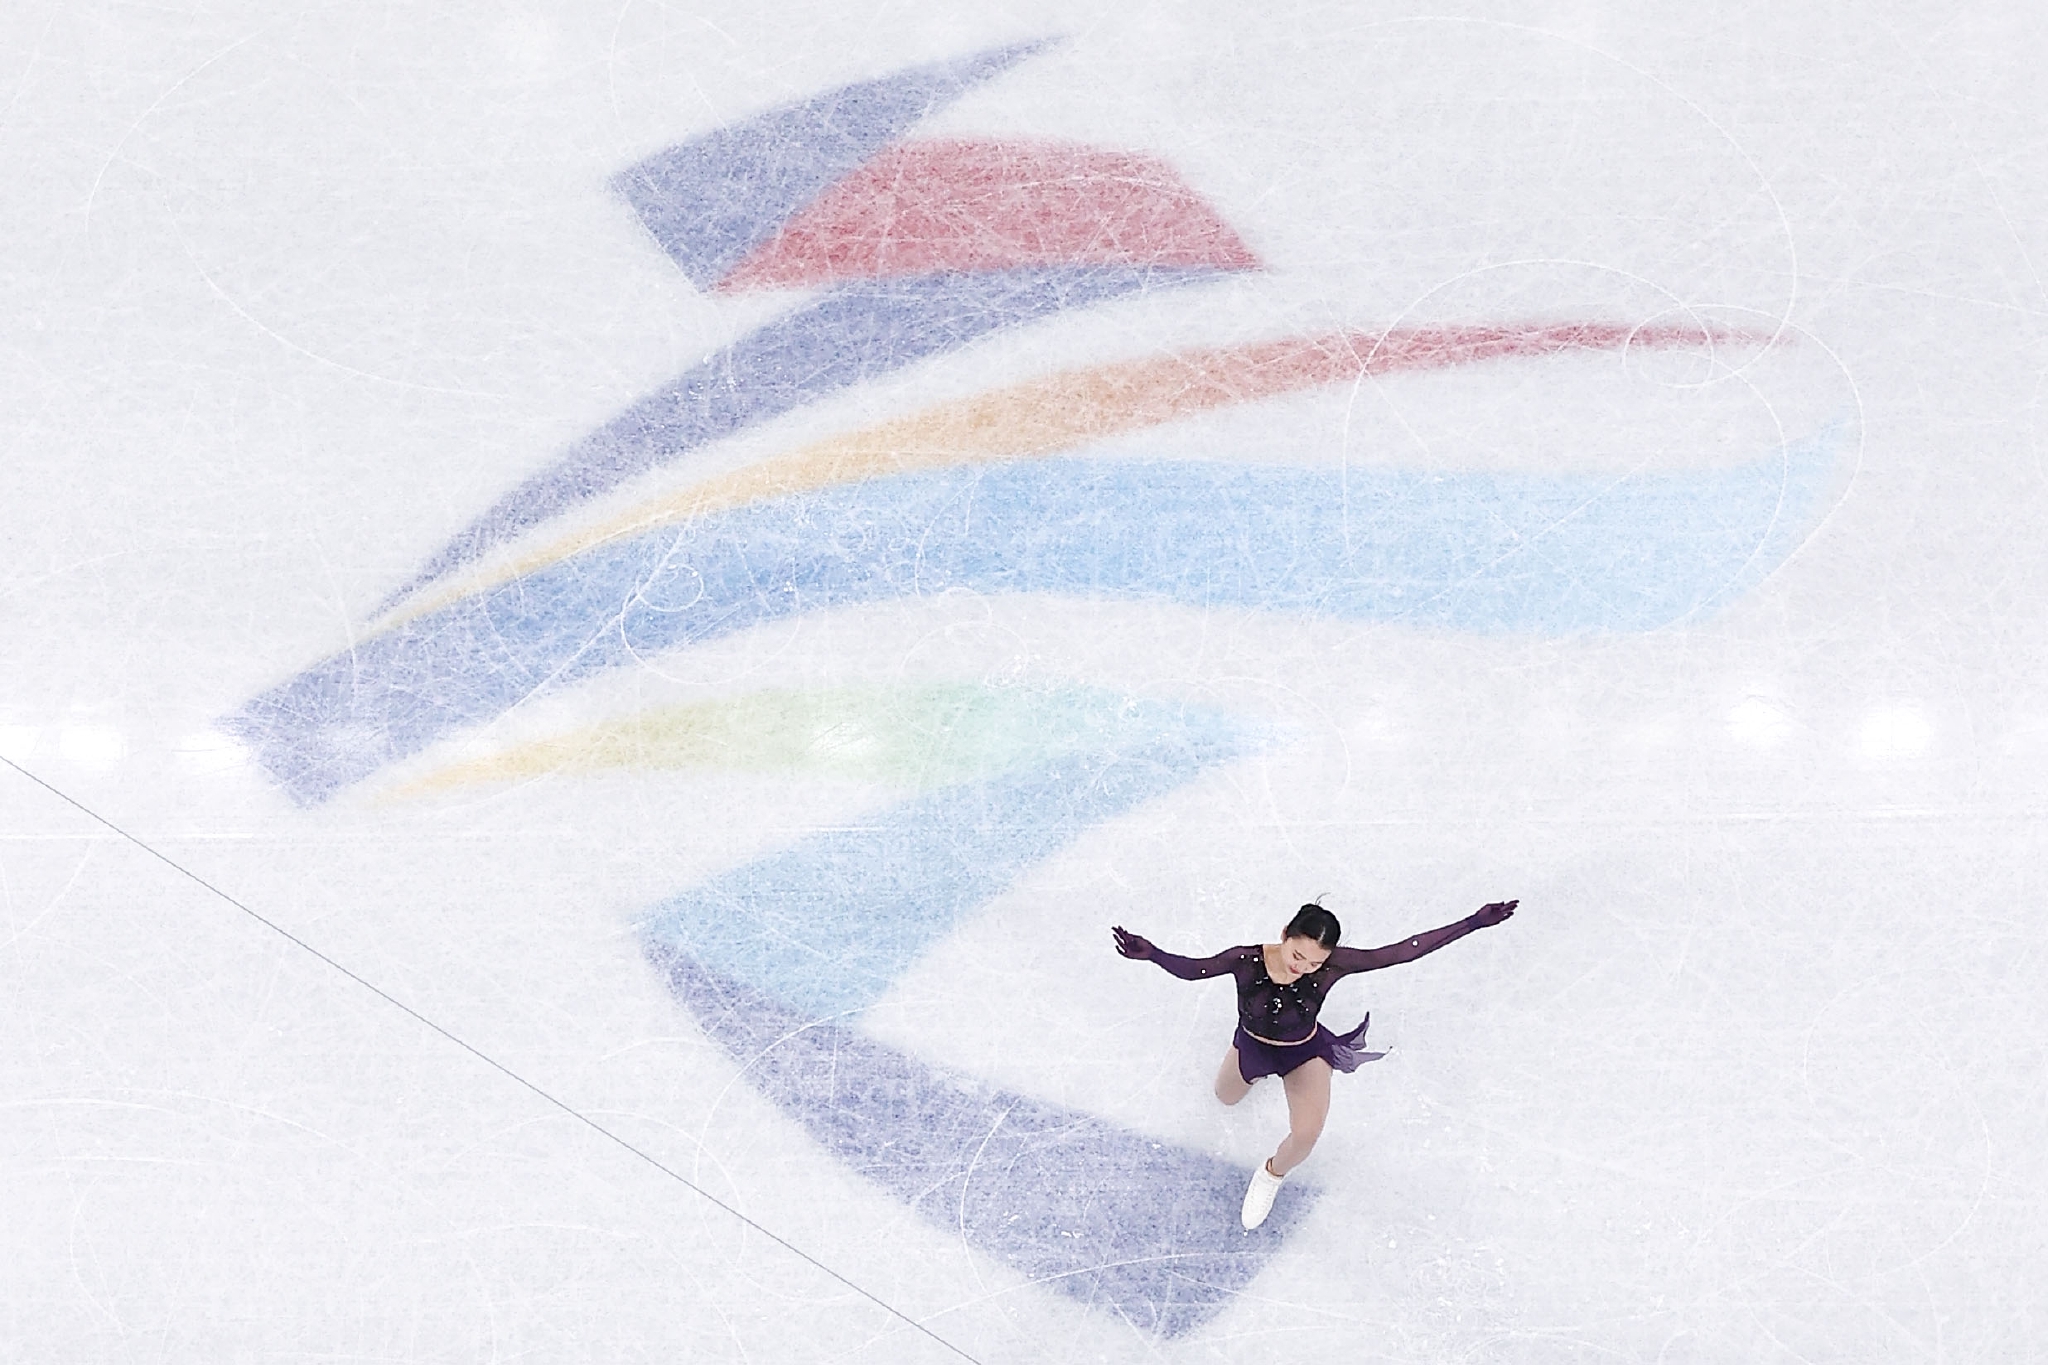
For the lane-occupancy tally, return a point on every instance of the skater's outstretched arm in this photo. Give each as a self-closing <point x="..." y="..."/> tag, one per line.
<point x="1186" y="968"/>
<point x="1349" y="960"/>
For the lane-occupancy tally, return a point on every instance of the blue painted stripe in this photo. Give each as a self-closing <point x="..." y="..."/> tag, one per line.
<point x="1121" y="1222"/>
<point x="827" y="926"/>
<point x="1476" y="552"/>
<point x="851" y="334"/>
<point x="713" y="199"/>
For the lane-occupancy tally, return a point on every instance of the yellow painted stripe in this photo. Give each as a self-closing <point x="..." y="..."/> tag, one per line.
<point x="1043" y="416"/>
<point x="915" y="736"/>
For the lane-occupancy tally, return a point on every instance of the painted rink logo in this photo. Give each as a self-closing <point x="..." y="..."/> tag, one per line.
<point x="911" y="249"/>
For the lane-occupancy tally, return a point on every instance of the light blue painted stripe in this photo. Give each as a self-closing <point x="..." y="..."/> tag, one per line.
<point x="1482" y="552"/>
<point x="827" y="926"/>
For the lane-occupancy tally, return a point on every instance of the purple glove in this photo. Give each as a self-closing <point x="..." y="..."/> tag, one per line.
<point x="1490" y="915"/>
<point x="1130" y="945"/>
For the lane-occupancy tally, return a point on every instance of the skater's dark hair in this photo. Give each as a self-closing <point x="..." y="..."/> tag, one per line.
<point x="1312" y="921"/>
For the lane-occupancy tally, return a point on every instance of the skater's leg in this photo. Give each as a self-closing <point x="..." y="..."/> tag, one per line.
<point x="1231" y="1086"/>
<point x="1308" y="1104"/>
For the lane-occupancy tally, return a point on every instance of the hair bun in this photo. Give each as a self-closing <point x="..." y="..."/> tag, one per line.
<point x="1314" y="922"/>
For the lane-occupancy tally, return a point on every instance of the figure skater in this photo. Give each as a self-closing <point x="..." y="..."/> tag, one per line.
<point x="1280" y="989"/>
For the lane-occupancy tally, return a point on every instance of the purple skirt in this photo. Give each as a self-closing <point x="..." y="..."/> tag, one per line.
<point x="1340" y="1050"/>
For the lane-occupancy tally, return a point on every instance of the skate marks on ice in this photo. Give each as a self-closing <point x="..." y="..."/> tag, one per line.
<point x="997" y="246"/>
<point x="917" y="250"/>
<point x="839" y="916"/>
<point x="777" y="959"/>
<point x="1120" y="1222"/>
<point x="963" y="496"/>
<point x="1060" y="412"/>
<point x="1480" y="552"/>
<point x="917" y="736"/>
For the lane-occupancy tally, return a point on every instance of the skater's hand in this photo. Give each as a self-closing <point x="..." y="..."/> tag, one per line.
<point x="1130" y="945"/>
<point x="1490" y="915"/>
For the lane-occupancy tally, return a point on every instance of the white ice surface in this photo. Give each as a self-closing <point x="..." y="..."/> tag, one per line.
<point x="1757" y="1074"/>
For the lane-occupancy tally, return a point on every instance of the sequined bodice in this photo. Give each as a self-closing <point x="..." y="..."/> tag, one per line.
<point x="1286" y="1012"/>
<point x="1280" y="1012"/>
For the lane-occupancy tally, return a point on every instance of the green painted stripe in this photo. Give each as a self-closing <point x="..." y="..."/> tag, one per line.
<point x="915" y="736"/>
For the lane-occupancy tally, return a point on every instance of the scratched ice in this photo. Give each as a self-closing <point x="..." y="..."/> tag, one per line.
<point x="605" y="608"/>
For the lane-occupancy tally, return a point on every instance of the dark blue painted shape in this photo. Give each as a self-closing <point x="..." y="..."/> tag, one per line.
<point x="851" y="334"/>
<point x="1476" y="552"/>
<point x="1124" y="1223"/>
<point x="827" y="926"/>
<point x="713" y="199"/>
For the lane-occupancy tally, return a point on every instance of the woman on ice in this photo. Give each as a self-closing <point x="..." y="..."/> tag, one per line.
<point x="1280" y="990"/>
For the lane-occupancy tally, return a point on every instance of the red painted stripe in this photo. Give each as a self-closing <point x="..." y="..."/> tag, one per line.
<point x="923" y="207"/>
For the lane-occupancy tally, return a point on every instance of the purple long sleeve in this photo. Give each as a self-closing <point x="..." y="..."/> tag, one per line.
<point x="1198" y="968"/>
<point x="1286" y="1012"/>
<point x="1349" y="960"/>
